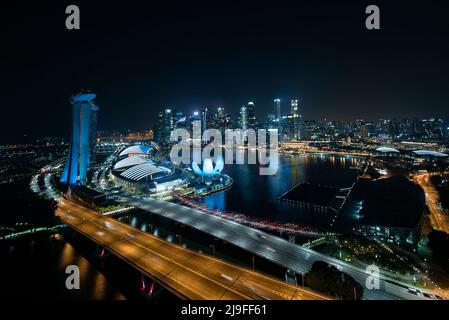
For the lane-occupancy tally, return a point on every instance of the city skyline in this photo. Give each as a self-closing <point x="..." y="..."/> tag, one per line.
<point x="349" y="185"/>
<point x="287" y="110"/>
<point x="207" y="55"/>
<point x="213" y="150"/>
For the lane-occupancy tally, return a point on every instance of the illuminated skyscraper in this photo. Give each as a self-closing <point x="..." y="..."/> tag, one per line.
<point x="295" y="119"/>
<point x="167" y="121"/>
<point x="158" y="128"/>
<point x="251" y="115"/>
<point x="271" y="122"/>
<point x="294" y="108"/>
<point x="81" y="144"/>
<point x="277" y="109"/>
<point x="179" y="120"/>
<point x="207" y="119"/>
<point x="222" y="120"/>
<point x="164" y="126"/>
<point x="243" y="119"/>
<point x="278" y="117"/>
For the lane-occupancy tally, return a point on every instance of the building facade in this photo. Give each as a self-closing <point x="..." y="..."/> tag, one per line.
<point x="82" y="143"/>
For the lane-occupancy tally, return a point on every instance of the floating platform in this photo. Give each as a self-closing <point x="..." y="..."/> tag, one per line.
<point x="317" y="197"/>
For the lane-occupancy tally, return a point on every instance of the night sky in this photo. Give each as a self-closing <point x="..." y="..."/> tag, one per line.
<point x="152" y="55"/>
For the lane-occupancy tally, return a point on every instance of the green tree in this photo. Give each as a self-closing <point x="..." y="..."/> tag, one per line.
<point x="327" y="278"/>
<point x="439" y="244"/>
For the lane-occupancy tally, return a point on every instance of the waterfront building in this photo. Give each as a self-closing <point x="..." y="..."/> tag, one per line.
<point x="82" y="143"/>
<point x="391" y="209"/>
<point x="135" y="171"/>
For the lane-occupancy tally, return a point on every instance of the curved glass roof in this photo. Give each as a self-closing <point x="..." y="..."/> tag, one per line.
<point x="429" y="153"/>
<point x="130" y="161"/>
<point x="83" y="97"/>
<point x="387" y="150"/>
<point x="135" y="150"/>
<point x="141" y="171"/>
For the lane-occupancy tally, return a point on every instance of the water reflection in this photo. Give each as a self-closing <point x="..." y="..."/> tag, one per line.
<point x="257" y="195"/>
<point x="134" y="222"/>
<point x="40" y="265"/>
<point x="66" y="256"/>
<point x="216" y="202"/>
<point x="99" y="287"/>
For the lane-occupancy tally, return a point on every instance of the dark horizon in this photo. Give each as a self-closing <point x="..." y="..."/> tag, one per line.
<point x="139" y="60"/>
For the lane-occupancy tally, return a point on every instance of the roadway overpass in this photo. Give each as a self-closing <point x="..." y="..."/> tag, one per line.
<point x="262" y="244"/>
<point x="188" y="274"/>
<point x="438" y="218"/>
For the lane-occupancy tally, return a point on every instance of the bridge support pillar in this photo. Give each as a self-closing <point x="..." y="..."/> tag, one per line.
<point x="148" y="287"/>
<point x="101" y="252"/>
<point x="290" y="277"/>
<point x="291" y="238"/>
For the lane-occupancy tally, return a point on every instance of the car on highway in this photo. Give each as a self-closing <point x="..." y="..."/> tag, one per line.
<point x="413" y="291"/>
<point x="428" y="296"/>
<point x="260" y="235"/>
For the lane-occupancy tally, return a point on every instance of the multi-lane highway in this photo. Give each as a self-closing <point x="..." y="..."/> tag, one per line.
<point x="186" y="273"/>
<point x="270" y="247"/>
<point x="438" y="218"/>
<point x="265" y="245"/>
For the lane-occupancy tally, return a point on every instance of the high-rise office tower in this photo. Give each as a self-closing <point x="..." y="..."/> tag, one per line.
<point x="207" y="119"/>
<point x="294" y="107"/>
<point x="164" y="126"/>
<point x="167" y="125"/>
<point x="196" y="116"/>
<point x="158" y="127"/>
<point x="243" y="119"/>
<point x="287" y="126"/>
<point x="179" y="120"/>
<point x="220" y="112"/>
<point x="277" y="109"/>
<point x="251" y="115"/>
<point x="278" y="117"/>
<point x="271" y="121"/>
<point x="93" y="133"/>
<point x="294" y="111"/>
<point x="81" y="144"/>
<point x="222" y="120"/>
